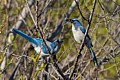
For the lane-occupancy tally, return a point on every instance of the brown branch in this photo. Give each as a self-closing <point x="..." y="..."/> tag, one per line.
<point x="80" y="10"/>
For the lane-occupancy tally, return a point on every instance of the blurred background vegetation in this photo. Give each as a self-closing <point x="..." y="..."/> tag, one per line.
<point x="104" y="32"/>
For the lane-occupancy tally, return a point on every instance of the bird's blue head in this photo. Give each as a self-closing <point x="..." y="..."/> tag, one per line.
<point x="74" y="21"/>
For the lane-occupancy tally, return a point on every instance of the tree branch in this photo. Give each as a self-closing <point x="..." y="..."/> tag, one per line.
<point x="80" y="11"/>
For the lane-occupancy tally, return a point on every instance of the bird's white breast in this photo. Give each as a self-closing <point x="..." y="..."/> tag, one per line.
<point x="77" y="33"/>
<point x="39" y="50"/>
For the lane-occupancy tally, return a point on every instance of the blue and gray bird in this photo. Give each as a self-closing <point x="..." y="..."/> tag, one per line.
<point x="79" y="33"/>
<point x="37" y="43"/>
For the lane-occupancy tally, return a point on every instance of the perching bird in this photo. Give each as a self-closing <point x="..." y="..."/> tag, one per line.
<point x="38" y="45"/>
<point x="79" y="33"/>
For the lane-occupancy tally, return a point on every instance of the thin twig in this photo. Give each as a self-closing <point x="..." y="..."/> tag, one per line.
<point x="80" y="10"/>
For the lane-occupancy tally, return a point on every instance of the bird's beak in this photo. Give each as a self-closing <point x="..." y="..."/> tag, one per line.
<point x="69" y="20"/>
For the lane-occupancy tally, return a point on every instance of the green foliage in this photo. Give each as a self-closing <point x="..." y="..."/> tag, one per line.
<point x="41" y="68"/>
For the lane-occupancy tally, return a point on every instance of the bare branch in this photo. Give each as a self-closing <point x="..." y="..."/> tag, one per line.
<point x="80" y="11"/>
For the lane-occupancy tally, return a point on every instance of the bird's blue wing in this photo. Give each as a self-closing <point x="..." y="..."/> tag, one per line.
<point x="32" y="40"/>
<point x="51" y="47"/>
<point x="43" y="47"/>
<point x="83" y="31"/>
<point x="53" y="44"/>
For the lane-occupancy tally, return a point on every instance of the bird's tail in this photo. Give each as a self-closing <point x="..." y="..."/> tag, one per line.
<point x="94" y="57"/>
<point x="32" y="40"/>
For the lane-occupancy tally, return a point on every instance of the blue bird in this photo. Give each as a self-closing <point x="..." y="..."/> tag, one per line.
<point x="79" y="33"/>
<point x="38" y="45"/>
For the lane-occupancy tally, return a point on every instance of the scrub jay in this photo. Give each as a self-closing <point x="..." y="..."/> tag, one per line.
<point x="79" y="33"/>
<point x="38" y="45"/>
